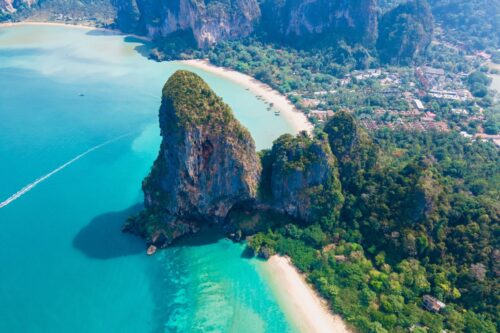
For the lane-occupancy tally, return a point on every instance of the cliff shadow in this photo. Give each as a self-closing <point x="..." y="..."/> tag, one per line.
<point x="247" y="253"/>
<point x="209" y="235"/>
<point x="144" y="47"/>
<point x="205" y="236"/>
<point x="103" y="238"/>
<point x="104" y="32"/>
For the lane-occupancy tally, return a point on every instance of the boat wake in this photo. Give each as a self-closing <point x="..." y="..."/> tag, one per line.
<point x="30" y="186"/>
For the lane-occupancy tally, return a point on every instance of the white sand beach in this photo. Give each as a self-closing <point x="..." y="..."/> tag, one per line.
<point x="296" y="118"/>
<point x="305" y="308"/>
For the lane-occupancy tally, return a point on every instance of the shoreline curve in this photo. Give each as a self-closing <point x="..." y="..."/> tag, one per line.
<point x="304" y="307"/>
<point x="295" y="118"/>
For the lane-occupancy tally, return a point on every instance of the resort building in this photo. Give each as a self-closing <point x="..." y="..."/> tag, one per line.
<point x="432" y="304"/>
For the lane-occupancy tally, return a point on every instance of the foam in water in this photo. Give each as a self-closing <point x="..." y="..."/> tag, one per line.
<point x="30" y="186"/>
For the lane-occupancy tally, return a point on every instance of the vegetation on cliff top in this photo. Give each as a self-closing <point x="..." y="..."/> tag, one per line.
<point x="471" y="23"/>
<point x="300" y="176"/>
<point x="353" y="148"/>
<point x="207" y="163"/>
<point x="405" y="31"/>
<point x="195" y="104"/>
<point x="421" y="216"/>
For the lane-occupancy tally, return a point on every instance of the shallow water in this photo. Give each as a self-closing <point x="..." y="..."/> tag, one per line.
<point x="64" y="264"/>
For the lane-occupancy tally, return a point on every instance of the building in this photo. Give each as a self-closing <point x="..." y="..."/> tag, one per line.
<point x="310" y="102"/>
<point x="433" y="71"/>
<point x="419" y="104"/>
<point x="484" y="55"/>
<point x="428" y="116"/>
<point x="458" y="95"/>
<point x="321" y="115"/>
<point x="459" y="111"/>
<point x="432" y="304"/>
<point x="368" y="74"/>
<point x="495" y="138"/>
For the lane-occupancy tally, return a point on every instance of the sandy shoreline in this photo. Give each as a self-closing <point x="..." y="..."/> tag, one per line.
<point x="306" y="309"/>
<point x="297" y="119"/>
<point x="69" y="25"/>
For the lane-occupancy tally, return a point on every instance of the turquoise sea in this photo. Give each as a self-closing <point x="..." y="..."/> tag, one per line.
<point x="64" y="264"/>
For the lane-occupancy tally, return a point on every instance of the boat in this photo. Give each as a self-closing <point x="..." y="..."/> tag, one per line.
<point x="151" y="250"/>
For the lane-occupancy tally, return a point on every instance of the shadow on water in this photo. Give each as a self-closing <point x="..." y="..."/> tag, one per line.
<point x="103" y="239"/>
<point x="101" y="32"/>
<point x="144" y="50"/>
<point x="205" y="236"/>
<point x="247" y="253"/>
<point x="208" y="236"/>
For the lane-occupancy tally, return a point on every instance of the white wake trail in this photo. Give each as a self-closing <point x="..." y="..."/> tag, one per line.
<point x="30" y="186"/>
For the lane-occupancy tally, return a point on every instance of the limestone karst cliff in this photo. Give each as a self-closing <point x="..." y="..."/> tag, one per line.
<point x="298" y="21"/>
<point x="207" y="167"/>
<point x="90" y="12"/>
<point x="355" y="152"/>
<point x="207" y="161"/>
<point x="216" y="20"/>
<point x="301" y="177"/>
<point x="207" y="21"/>
<point x="12" y="6"/>
<point x="399" y="35"/>
<point x="405" y="32"/>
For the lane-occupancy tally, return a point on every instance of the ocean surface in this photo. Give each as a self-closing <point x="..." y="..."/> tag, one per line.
<point x="78" y="132"/>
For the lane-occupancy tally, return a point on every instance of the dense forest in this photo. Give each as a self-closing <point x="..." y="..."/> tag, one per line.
<point x="472" y="23"/>
<point x="475" y="23"/>
<point x="419" y="216"/>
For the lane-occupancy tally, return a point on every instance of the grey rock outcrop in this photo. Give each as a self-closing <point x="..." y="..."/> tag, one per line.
<point x="207" y="160"/>
<point x="296" y="20"/>
<point x="304" y="177"/>
<point x="208" y="21"/>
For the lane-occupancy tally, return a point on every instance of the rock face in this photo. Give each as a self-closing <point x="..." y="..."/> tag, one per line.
<point x="11" y="6"/>
<point x="6" y="6"/>
<point x="353" y="148"/>
<point x="177" y="25"/>
<point x="207" y="165"/>
<point x="405" y="32"/>
<point x="207" y="160"/>
<point x="209" y="20"/>
<point x="91" y="12"/>
<point x="293" y="21"/>
<point x="303" y="177"/>
<point x="426" y="195"/>
<point x="298" y="20"/>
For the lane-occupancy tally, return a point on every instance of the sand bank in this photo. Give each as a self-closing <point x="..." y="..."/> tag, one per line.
<point x="296" y="118"/>
<point x="304" y="307"/>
